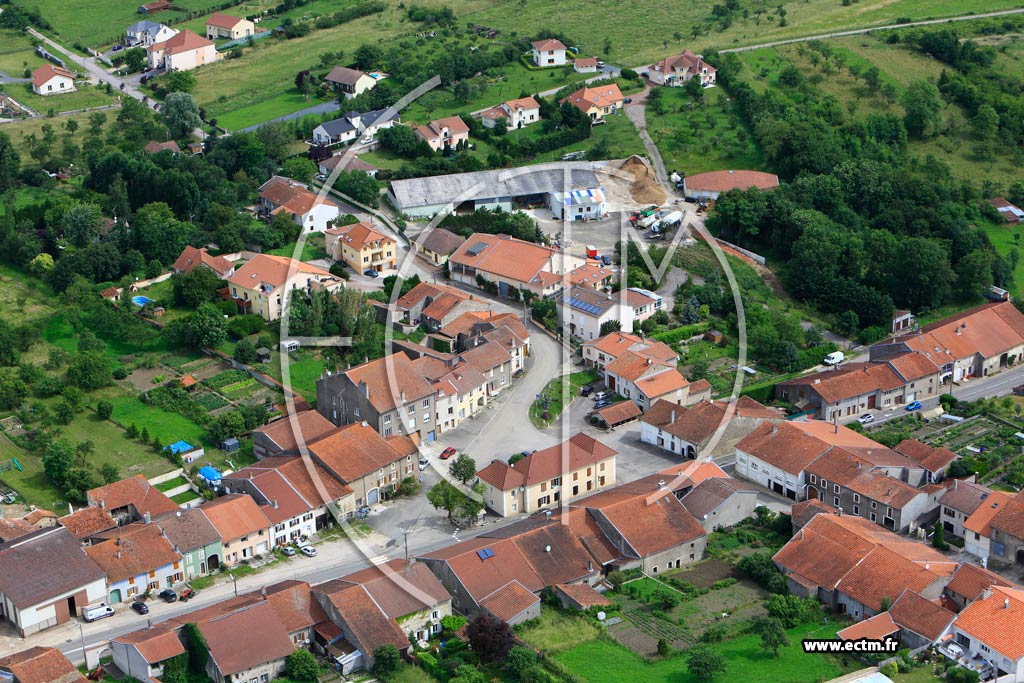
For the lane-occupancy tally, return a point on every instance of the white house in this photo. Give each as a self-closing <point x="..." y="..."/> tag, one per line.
<point x="588" y="309"/>
<point x="548" y="52"/>
<point x="353" y="125"/>
<point x="146" y="33"/>
<point x="309" y="210"/>
<point x="582" y="204"/>
<point x="517" y="113"/>
<point x="50" y="79"/>
<point x="987" y="631"/>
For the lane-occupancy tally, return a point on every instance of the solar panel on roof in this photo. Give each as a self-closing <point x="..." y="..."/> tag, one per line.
<point x="477" y="248"/>
<point x="485" y="553"/>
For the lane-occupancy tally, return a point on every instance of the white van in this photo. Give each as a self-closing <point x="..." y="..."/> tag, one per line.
<point x="96" y="612"/>
<point x="834" y="358"/>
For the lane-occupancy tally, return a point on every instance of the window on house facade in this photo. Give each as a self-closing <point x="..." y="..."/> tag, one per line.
<point x="835" y="488"/>
<point x="835" y="501"/>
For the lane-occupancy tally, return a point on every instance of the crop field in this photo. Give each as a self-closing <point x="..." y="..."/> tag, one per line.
<point x="98" y="22"/>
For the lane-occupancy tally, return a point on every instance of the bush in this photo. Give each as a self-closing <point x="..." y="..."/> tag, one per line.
<point x="302" y="666"/>
<point x="105" y="409"/>
<point x="889" y="670"/>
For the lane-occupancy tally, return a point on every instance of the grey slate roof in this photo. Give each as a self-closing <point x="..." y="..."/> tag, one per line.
<point x="187" y="530"/>
<point x="710" y="493"/>
<point x="42" y="565"/>
<point x="337" y="127"/>
<point x="441" y="241"/>
<point x="534" y="180"/>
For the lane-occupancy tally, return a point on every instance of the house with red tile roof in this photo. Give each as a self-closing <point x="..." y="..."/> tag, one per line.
<point x="511" y="264"/>
<point x="934" y="459"/>
<point x="246" y="644"/>
<point x="350" y="82"/>
<point x="130" y="500"/>
<point x="282" y="437"/>
<point x="969" y="583"/>
<point x="978" y="526"/>
<point x="849" y="390"/>
<point x="596" y="102"/>
<point x="364" y="624"/>
<point x="136" y="559"/>
<point x="87" y="522"/>
<point x="599" y="352"/>
<point x="1006" y="539"/>
<point x="290" y="514"/>
<point x="713" y="183"/>
<point x="516" y="113"/>
<point x="961" y="500"/>
<point x="548" y="52"/>
<point x="974" y="343"/>
<point x="579" y="596"/>
<point x="446" y="132"/>
<point x="647" y="524"/>
<point x="39" y="665"/>
<point x="309" y="210"/>
<point x="406" y="591"/>
<point x="366" y="462"/>
<point x="50" y="79"/>
<point x="387" y="393"/>
<point x="155" y="147"/>
<point x="243" y="527"/>
<point x="263" y="285"/>
<point x="688" y="430"/>
<point x="535" y="553"/>
<point x="548" y="478"/>
<point x="192" y="258"/>
<point x="143" y="654"/>
<point x="644" y="381"/>
<point x="855" y="567"/>
<point x="989" y="635"/>
<point x="183" y="51"/>
<point x="434" y="305"/>
<point x="362" y="247"/>
<point x="220" y="25"/>
<point x="676" y="70"/>
<point x="720" y="502"/>
<point x="585" y="65"/>
<point x="437" y="245"/>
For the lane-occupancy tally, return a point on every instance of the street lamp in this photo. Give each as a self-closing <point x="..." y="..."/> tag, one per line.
<point x="81" y="634"/>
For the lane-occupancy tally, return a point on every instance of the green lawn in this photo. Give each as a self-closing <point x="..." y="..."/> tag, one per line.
<point x="32" y="483"/>
<point x="556" y="631"/>
<point x="99" y="22"/>
<point x="17" y="53"/>
<point x="169" y="427"/>
<point x="1006" y="238"/>
<point x="313" y="248"/>
<point x="287" y="102"/>
<point x="22" y="297"/>
<point x="304" y="370"/>
<point x="112" y="445"/>
<point x="705" y="138"/>
<point x="84" y="97"/>
<point x="603" y="661"/>
<point x="553" y="391"/>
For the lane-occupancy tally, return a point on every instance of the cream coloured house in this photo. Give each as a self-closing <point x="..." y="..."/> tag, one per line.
<point x="362" y="247"/>
<point x="547" y="478"/>
<point x="263" y="285"/>
<point x="220" y="25"/>
<point x="182" y="52"/>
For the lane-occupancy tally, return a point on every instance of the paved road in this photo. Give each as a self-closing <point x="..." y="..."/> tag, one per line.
<point x="861" y="31"/>
<point x="5" y="79"/>
<point x="322" y="108"/>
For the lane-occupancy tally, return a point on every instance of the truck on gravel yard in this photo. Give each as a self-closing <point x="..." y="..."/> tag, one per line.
<point x="671" y="220"/>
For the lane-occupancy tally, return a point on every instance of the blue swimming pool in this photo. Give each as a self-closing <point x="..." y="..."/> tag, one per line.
<point x="141" y="300"/>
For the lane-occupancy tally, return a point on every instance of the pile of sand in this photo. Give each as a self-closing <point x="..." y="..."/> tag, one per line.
<point x="645" y="189"/>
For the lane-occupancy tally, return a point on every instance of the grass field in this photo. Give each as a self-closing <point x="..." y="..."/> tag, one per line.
<point x="286" y="103"/>
<point x="553" y="391"/>
<point x="98" y="22"/>
<point x="32" y="483"/>
<point x="313" y="248"/>
<point x="705" y="138"/>
<point x="556" y="631"/>
<point x="22" y="297"/>
<point x="1005" y="238"/>
<point x="17" y="53"/>
<point x="603" y="661"/>
<point x="84" y="97"/>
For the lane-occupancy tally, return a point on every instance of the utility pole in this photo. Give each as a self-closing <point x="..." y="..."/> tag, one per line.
<point x="235" y="582"/>
<point x="405" y="532"/>
<point x="81" y="634"/>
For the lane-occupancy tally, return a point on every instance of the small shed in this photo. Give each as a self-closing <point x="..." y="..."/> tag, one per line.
<point x="619" y="413"/>
<point x="263" y="354"/>
<point x="714" y="336"/>
<point x="187" y="381"/>
<point x="289" y="345"/>
<point x="230" y="445"/>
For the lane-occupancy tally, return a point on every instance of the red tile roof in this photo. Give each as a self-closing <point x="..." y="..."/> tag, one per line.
<point x="505" y="256"/>
<point x="587" y="98"/>
<point x="41" y="665"/>
<point x="309" y="424"/>
<point x="358" y="235"/>
<point x="631" y="366"/>
<point x="619" y="412"/>
<point x="154" y="147"/>
<point x="294" y="606"/>
<point x="43" y="74"/>
<point x="246" y="638"/>
<point x="970" y="581"/>
<point x="980" y="521"/>
<point x="997" y="621"/>
<point x="582" y="595"/>
<point x="235" y="515"/>
<point x="266" y="269"/>
<point x="649" y="522"/>
<point x="135" y="491"/>
<point x="183" y="41"/>
<point x="686" y="61"/>
<point x="579" y="451"/>
<point x="155" y="644"/>
<point x="291" y="196"/>
<point x="363" y="616"/>
<point x="849" y="381"/>
<point x="884" y="574"/>
<point x="661" y="384"/>
<point x="1010" y="519"/>
<point x="723" y="181"/>
<point x="344" y="75"/>
<point x="354" y="451"/>
<point x="989" y="330"/>
<point x="191" y="257"/>
<point x="400" y="588"/>
<point x="509" y="601"/>
<point x="548" y="44"/>
<point x="285" y="500"/>
<point x="932" y="458"/>
<point x="132" y="551"/>
<point x="390" y="382"/>
<point x="793" y="445"/>
<point x="875" y="628"/>
<point x="917" y="613"/>
<point x="221" y="20"/>
<point x="87" y="521"/>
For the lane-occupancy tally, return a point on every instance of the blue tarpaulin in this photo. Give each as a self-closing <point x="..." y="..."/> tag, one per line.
<point x="179" y="447"/>
<point x="209" y="473"/>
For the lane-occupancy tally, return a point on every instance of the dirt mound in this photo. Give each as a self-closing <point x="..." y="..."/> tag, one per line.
<point x="645" y="188"/>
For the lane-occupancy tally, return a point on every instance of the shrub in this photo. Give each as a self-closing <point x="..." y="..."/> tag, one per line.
<point x="889" y="670"/>
<point x="105" y="409"/>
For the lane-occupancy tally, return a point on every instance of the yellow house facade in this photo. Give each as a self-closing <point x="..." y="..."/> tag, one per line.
<point x="361" y="247"/>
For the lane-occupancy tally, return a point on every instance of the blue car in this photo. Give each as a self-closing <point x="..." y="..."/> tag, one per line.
<point x="914" y="405"/>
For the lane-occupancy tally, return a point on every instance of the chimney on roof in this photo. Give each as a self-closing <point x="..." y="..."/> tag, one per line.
<point x="364" y="423"/>
<point x="119" y="553"/>
<point x="402" y="394"/>
<point x="839" y="512"/>
<point x="547" y="549"/>
<point x="672" y="417"/>
<point x="1006" y="603"/>
<point x="274" y="503"/>
<point x="661" y="483"/>
<point x="927" y="566"/>
<point x="103" y="503"/>
<point x="146" y="519"/>
<point x="263" y="592"/>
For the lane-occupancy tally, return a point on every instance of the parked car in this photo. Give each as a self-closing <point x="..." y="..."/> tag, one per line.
<point x="118" y="48"/>
<point x="600" y="64"/>
<point x="424" y="463"/>
<point x="587" y="390"/>
<point x="288" y="551"/>
<point x="370" y="272"/>
<point x="309" y="551"/>
<point x="913" y="405"/>
<point x="321" y="177"/>
<point x="94" y="612"/>
<point x="866" y="418"/>
<point x="606" y="260"/>
<point x="140" y="608"/>
<point x="602" y="404"/>
<point x="448" y="452"/>
<point x="167" y="595"/>
<point x="601" y="395"/>
<point x="627" y="100"/>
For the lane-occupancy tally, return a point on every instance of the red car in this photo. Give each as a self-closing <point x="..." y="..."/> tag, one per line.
<point x="448" y="452"/>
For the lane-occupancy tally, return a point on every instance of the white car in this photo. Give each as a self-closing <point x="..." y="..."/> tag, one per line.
<point x="424" y="463"/>
<point x="866" y="418"/>
<point x="309" y="551"/>
<point x="288" y="551"/>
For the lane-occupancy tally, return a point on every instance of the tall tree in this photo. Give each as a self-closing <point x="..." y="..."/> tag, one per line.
<point x="772" y="634"/>
<point x="10" y="162"/>
<point x="180" y="114"/>
<point x="922" y="105"/>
